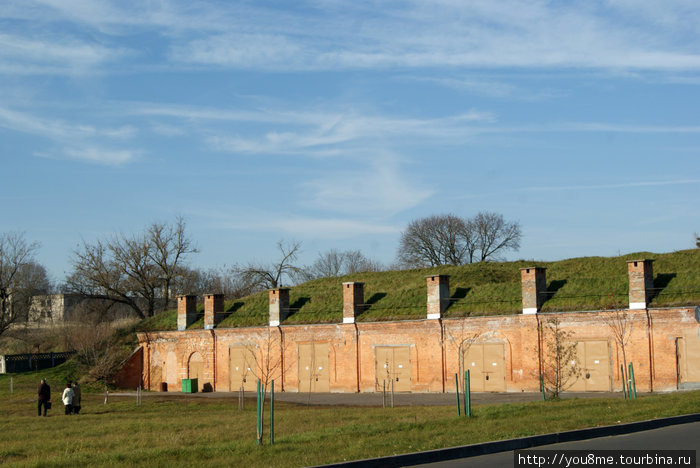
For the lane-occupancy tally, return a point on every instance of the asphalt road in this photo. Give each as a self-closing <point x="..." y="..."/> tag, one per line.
<point x="678" y="437"/>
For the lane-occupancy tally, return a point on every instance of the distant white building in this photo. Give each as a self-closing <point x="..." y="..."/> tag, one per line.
<point x="52" y="309"/>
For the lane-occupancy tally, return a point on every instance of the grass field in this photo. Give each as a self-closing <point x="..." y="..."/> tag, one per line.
<point x="214" y="432"/>
<point x="587" y="283"/>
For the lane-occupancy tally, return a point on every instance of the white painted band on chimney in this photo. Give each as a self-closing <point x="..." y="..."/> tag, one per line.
<point x="274" y="323"/>
<point x="208" y="327"/>
<point x="638" y="305"/>
<point x="348" y="319"/>
<point x="433" y="316"/>
<point x="530" y="310"/>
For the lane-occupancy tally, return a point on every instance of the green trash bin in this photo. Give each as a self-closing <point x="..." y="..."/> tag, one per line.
<point x="189" y="385"/>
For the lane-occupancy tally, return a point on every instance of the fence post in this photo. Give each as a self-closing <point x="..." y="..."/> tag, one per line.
<point x="11" y="385"/>
<point x="624" y="383"/>
<point x="257" y="412"/>
<point x="392" y="393"/>
<point x="633" y="385"/>
<point x="383" y="393"/>
<point x="459" y="412"/>
<point x="467" y="395"/>
<point x="272" y="413"/>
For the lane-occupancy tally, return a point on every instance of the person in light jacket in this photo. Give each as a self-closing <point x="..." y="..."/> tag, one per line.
<point x="67" y="398"/>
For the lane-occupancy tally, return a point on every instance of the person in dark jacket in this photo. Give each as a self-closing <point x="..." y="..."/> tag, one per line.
<point x="44" y="396"/>
<point x="77" y="396"/>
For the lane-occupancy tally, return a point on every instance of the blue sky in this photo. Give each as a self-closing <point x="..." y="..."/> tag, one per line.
<point x="335" y="123"/>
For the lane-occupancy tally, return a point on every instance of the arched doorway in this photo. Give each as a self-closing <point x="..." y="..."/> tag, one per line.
<point x="195" y="369"/>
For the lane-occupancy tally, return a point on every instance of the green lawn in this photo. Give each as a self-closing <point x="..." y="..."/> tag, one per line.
<point x="587" y="283"/>
<point x="206" y="432"/>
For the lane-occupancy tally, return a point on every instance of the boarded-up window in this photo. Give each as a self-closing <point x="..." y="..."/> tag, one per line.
<point x="171" y="371"/>
<point x="156" y="372"/>
<point x="486" y="363"/>
<point x="314" y="374"/>
<point x="393" y="364"/>
<point x="242" y="368"/>
<point x="594" y="361"/>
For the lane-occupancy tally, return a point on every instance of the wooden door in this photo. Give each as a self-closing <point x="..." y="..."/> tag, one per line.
<point x="486" y="363"/>
<point x="314" y="374"/>
<point x="393" y="366"/>
<point x="242" y="370"/>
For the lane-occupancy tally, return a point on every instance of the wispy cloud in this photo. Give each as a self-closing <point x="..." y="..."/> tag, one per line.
<point x="297" y="225"/>
<point x="653" y="183"/>
<point x="376" y="186"/>
<point x="66" y="137"/>
<point x="346" y="35"/>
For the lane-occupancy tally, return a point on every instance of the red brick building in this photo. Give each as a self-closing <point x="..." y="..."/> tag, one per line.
<point x="503" y="353"/>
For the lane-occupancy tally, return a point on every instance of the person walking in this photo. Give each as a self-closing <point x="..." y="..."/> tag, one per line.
<point x="44" y="397"/>
<point x="67" y="398"/>
<point x="77" y="396"/>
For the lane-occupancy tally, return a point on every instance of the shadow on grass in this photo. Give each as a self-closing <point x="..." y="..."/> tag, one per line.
<point x="660" y="283"/>
<point x="552" y="289"/>
<point x="297" y="305"/>
<point x="376" y="297"/>
<point x="459" y="294"/>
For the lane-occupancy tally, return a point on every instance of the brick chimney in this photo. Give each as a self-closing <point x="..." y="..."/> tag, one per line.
<point x="438" y="295"/>
<point x="213" y="310"/>
<point x="534" y="284"/>
<point x="279" y="305"/>
<point x="186" y="311"/>
<point x="641" y="279"/>
<point x="353" y="300"/>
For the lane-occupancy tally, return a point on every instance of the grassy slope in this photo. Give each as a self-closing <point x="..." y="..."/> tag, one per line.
<point x="587" y="283"/>
<point x="215" y="433"/>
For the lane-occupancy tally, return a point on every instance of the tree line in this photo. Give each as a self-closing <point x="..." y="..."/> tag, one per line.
<point x="146" y="270"/>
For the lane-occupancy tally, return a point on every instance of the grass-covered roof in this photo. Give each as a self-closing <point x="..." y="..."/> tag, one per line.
<point x="587" y="283"/>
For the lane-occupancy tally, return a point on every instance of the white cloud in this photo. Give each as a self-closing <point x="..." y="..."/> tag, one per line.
<point x="78" y="140"/>
<point x="376" y="186"/>
<point x="101" y="155"/>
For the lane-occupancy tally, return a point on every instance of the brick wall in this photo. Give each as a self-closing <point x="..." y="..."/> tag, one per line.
<point x="435" y="349"/>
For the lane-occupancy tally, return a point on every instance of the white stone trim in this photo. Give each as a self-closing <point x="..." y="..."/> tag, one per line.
<point x="274" y="323"/>
<point x="208" y="327"/>
<point x="433" y="316"/>
<point x="348" y="319"/>
<point x="638" y="305"/>
<point x="530" y="310"/>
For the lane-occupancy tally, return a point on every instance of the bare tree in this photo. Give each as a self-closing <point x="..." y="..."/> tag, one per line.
<point x="18" y="276"/>
<point x="493" y="235"/>
<point x="620" y="325"/>
<point x="268" y="357"/>
<point x="223" y="280"/>
<point x="450" y="240"/>
<point x="333" y="263"/>
<point x="559" y="358"/>
<point x="270" y="276"/>
<point x="97" y="346"/>
<point x="435" y="240"/>
<point x="169" y="244"/>
<point x="137" y="270"/>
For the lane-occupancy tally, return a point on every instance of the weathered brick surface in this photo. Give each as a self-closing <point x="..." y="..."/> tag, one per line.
<point x="213" y="310"/>
<point x="186" y="311"/>
<point x="353" y="300"/>
<point x="641" y="282"/>
<point x="434" y="346"/>
<point x="438" y="295"/>
<point x="534" y="287"/>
